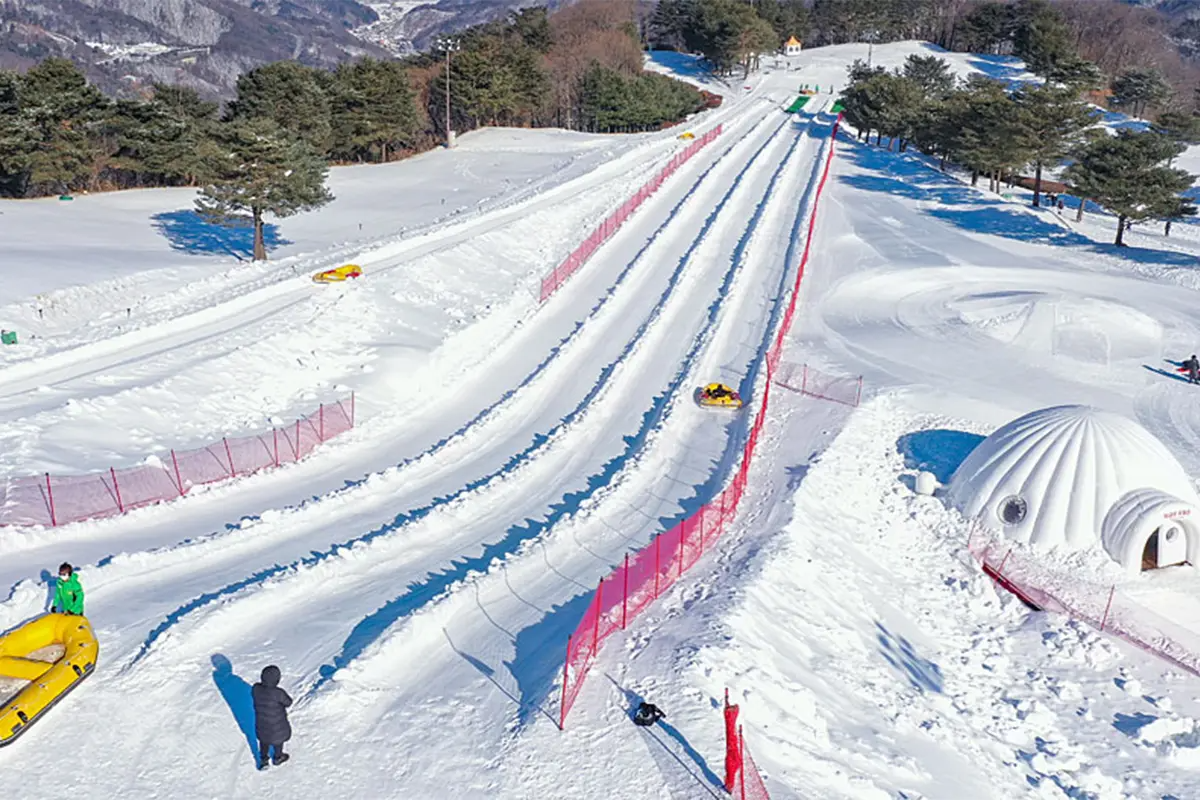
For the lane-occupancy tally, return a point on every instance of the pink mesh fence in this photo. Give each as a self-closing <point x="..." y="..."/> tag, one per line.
<point x="579" y="256"/>
<point x="742" y="779"/>
<point x="1106" y="608"/>
<point x="648" y="574"/>
<point x="53" y="500"/>
<point x="813" y="382"/>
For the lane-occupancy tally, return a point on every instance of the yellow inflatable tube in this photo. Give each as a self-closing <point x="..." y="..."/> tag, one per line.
<point x="49" y="681"/>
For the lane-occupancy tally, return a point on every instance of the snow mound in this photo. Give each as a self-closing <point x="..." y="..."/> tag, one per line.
<point x="1084" y="329"/>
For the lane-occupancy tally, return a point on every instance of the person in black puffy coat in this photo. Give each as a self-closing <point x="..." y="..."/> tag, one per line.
<point x="270" y="717"/>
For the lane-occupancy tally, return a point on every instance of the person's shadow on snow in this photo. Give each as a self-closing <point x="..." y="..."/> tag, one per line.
<point x="236" y="693"/>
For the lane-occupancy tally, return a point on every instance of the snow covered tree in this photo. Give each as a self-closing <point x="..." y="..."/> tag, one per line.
<point x="1127" y="175"/>
<point x="261" y="169"/>
<point x="1139" y="88"/>
<point x="1052" y="121"/>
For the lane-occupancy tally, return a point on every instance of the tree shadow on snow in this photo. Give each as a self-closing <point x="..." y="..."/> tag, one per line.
<point x="938" y="451"/>
<point x="922" y="674"/>
<point x="488" y="672"/>
<point x="1007" y="69"/>
<point x="709" y="779"/>
<point x="188" y="232"/>
<point x="236" y="694"/>
<point x="978" y="212"/>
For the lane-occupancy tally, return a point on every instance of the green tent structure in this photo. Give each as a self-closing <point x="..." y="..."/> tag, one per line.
<point x="798" y="104"/>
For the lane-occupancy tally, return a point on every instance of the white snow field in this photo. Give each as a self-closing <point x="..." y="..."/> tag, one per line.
<point x="416" y="579"/>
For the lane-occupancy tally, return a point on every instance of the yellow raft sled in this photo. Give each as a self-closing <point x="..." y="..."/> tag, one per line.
<point x="26" y="655"/>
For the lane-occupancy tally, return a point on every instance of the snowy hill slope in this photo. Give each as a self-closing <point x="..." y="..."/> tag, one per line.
<point x="416" y="581"/>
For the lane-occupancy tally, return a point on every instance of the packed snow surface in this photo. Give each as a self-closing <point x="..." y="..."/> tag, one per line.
<point x="417" y="578"/>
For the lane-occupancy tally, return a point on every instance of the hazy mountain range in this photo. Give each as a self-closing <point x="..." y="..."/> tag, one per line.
<point x="125" y="44"/>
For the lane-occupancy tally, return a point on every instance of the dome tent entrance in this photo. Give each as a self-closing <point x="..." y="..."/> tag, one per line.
<point x="1148" y="529"/>
<point x="1078" y="477"/>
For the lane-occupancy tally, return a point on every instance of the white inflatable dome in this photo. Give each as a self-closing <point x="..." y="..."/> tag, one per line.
<point x="1053" y="476"/>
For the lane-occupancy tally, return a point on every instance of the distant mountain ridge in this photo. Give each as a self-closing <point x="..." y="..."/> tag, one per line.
<point x="124" y="45"/>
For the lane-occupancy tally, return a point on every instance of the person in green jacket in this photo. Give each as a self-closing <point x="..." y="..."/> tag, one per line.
<point x="68" y="594"/>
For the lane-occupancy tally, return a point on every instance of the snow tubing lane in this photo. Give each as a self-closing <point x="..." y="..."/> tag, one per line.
<point x="538" y="442"/>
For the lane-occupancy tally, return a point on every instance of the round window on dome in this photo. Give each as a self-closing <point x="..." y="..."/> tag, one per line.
<point x="1012" y="510"/>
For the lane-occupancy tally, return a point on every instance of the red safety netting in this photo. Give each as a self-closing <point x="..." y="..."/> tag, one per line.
<point x="579" y="256"/>
<point x="1104" y="607"/>
<point x="58" y="499"/>
<point x="742" y="779"/>
<point x="802" y="378"/>
<point x="648" y="574"/>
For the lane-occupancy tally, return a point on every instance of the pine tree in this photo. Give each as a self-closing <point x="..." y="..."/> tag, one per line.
<point x="1126" y="174"/>
<point x="1053" y="121"/>
<point x="1181" y="127"/>
<point x="786" y="17"/>
<point x="1041" y="36"/>
<point x="373" y="109"/>
<point x="16" y="143"/>
<point x="931" y="73"/>
<point x="1175" y="208"/>
<point x="262" y="169"/>
<point x="1138" y="88"/>
<point x="60" y="112"/>
<point x="167" y="139"/>
<point x="292" y="95"/>
<point x="986" y="28"/>
<point x="668" y="23"/>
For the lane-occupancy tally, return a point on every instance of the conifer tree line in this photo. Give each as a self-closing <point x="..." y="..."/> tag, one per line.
<point x="998" y="131"/>
<point x="579" y="68"/>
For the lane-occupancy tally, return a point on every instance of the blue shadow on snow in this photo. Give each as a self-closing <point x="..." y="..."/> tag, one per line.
<point x="938" y="451"/>
<point x="187" y="231"/>
<point x="236" y="694"/>
<point x="710" y="779"/>
<point x="922" y="674"/>
<point x="976" y="211"/>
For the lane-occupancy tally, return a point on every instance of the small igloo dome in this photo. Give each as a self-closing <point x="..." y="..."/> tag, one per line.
<point x="1052" y="476"/>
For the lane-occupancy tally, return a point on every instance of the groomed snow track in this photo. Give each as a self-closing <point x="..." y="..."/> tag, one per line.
<point x="489" y="532"/>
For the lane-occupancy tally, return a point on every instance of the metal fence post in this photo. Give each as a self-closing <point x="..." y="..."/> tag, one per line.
<point x="1104" y="621"/>
<point x="117" y="489"/>
<point x="596" y="625"/>
<point x="229" y="455"/>
<point x="50" y="497"/>
<point x="178" y="479"/>
<point x="562" y="712"/>
<point x="657" y="550"/>
<point x="625" y="599"/>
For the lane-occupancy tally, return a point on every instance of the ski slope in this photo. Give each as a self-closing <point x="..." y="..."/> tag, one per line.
<point x="416" y="579"/>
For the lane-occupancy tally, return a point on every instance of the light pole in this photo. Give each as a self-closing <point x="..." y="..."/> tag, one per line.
<point x="450" y="45"/>
<point x="870" y="36"/>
